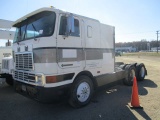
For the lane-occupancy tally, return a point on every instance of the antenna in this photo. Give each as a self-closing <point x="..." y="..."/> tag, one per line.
<point x="157" y="32"/>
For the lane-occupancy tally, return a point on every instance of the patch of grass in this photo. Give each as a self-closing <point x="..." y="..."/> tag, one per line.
<point x="142" y="54"/>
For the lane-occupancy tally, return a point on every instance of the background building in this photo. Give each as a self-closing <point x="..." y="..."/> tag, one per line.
<point x="126" y="49"/>
<point x="154" y="49"/>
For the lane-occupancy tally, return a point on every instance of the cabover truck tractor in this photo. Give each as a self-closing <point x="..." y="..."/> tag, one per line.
<point x="7" y="70"/>
<point x="58" y="53"/>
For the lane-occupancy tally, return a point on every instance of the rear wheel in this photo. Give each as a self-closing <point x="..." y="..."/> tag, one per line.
<point x="130" y="74"/>
<point x="81" y="92"/>
<point x="141" y="72"/>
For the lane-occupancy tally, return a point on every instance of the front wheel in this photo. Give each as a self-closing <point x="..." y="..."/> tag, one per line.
<point x="81" y="92"/>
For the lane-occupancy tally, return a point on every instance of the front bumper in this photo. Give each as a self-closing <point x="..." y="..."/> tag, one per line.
<point x="41" y="94"/>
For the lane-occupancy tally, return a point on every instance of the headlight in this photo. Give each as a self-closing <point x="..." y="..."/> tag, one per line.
<point x="39" y="79"/>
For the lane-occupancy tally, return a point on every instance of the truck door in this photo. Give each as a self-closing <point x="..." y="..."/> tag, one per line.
<point x="70" y="52"/>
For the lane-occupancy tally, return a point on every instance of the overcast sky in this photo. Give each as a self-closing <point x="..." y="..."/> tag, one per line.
<point x="133" y="19"/>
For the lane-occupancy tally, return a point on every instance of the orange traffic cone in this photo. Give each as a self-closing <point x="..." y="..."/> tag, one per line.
<point x="134" y="97"/>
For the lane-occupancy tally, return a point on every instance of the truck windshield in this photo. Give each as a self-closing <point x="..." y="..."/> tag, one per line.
<point x="39" y="25"/>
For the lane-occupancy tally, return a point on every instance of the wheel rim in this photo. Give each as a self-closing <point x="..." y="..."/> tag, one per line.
<point x="142" y="72"/>
<point x="83" y="92"/>
<point x="132" y="75"/>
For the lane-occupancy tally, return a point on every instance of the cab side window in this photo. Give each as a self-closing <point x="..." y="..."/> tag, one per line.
<point x="63" y="27"/>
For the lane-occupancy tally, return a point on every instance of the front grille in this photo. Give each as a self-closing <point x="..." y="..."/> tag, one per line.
<point x="24" y="61"/>
<point x="5" y="64"/>
<point x="23" y="76"/>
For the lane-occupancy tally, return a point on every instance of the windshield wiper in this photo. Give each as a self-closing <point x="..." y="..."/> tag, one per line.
<point x="34" y="27"/>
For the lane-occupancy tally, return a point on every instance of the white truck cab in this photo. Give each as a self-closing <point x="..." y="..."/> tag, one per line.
<point x="58" y="53"/>
<point x="7" y="70"/>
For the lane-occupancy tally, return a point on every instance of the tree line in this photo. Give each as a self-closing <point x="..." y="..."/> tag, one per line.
<point x="139" y="45"/>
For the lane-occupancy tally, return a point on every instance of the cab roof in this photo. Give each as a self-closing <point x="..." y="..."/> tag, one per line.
<point x="44" y="9"/>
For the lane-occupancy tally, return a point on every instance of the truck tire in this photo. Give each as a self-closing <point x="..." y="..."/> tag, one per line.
<point x="9" y="80"/>
<point x="81" y="92"/>
<point x="130" y="72"/>
<point x="140" y="72"/>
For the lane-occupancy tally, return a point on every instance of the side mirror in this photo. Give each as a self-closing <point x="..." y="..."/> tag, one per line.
<point x="70" y="24"/>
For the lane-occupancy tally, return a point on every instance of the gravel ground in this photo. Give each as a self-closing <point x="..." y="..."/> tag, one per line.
<point x="149" y="89"/>
<point x="107" y="103"/>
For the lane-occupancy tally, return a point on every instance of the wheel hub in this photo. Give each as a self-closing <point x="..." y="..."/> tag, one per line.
<point x="142" y="72"/>
<point x="83" y="92"/>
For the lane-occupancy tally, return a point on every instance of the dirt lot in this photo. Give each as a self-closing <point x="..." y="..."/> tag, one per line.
<point x="107" y="104"/>
<point x="149" y="90"/>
